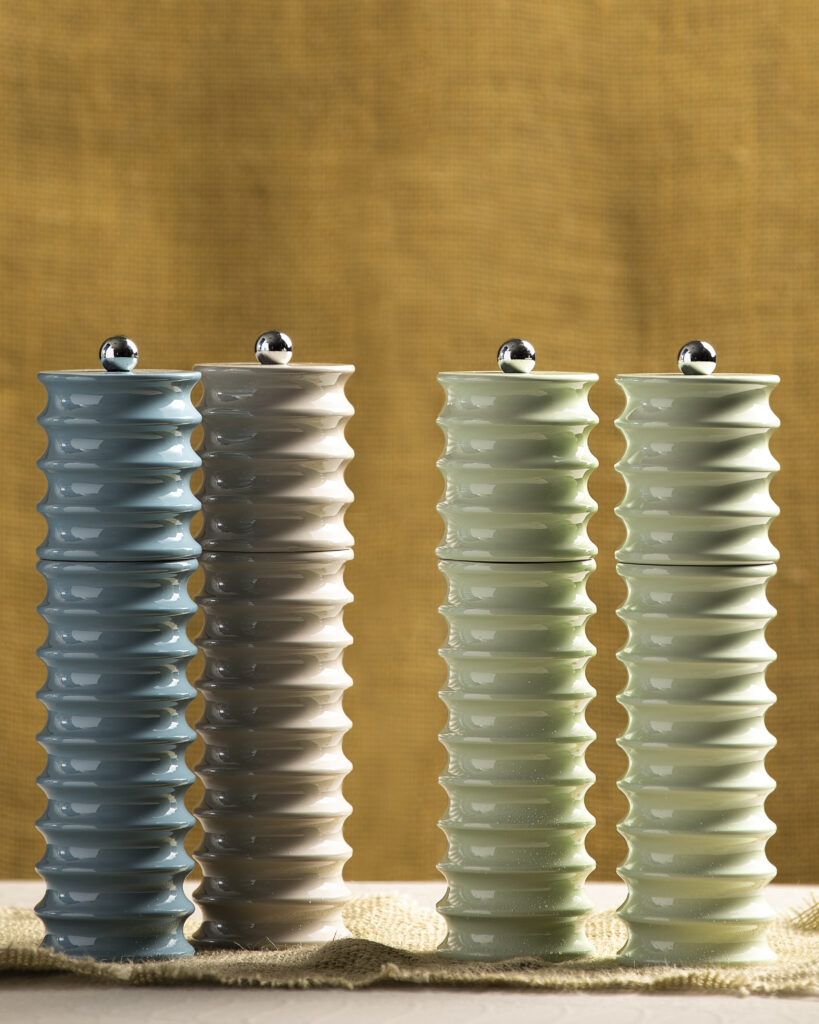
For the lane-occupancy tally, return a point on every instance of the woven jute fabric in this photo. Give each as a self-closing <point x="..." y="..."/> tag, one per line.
<point x="393" y="940"/>
<point x="404" y="186"/>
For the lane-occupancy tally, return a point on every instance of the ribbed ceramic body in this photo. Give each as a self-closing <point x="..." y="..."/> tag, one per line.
<point x="515" y="556"/>
<point x="273" y="767"/>
<point x="516" y="466"/>
<point x="697" y="468"/>
<point x="274" y="455"/>
<point x="115" y="775"/>
<point x="274" y="498"/>
<point x="516" y="737"/>
<point x="118" y="509"/>
<point x="118" y="466"/>
<point x="696" y="741"/>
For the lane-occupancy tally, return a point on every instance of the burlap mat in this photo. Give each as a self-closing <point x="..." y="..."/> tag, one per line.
<point x="394" y="941"/>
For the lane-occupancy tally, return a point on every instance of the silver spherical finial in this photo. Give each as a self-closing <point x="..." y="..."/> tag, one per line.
<point x="118" y="354"/>
<point x="516" y="356"/>
<point x="274" y="348"/>
<point x="697" y="358"/>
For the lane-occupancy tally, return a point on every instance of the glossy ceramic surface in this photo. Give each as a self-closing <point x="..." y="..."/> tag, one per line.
<point x="516" y="465"/>
<point x="516" y="776"/>
<point x="274" y="456"/>
<point x="118" y="466"/>
<point x="272" y="813"/>
<point x="697" y="469"/>
<point x="696" y="783"/>
<point x="115" y="775"/>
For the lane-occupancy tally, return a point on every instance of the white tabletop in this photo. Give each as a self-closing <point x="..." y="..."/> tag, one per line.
<point x="50" y="998"/>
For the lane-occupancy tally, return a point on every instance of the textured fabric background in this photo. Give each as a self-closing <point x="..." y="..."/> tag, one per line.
<point x="403" y="186"/>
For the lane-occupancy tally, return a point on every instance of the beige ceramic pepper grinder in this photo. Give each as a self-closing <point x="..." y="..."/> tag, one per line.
<point x="274" y="550"/>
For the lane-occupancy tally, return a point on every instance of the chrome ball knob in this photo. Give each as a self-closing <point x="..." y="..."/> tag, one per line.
<point x="697" y="358"/>
<point x="274" y="348"/>
<point x="516" y="356"/>
<point x="118" y="354"/>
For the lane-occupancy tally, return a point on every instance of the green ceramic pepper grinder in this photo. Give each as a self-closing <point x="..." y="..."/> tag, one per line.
<point x="696" y="561"/>
<point x="516" y="557"/>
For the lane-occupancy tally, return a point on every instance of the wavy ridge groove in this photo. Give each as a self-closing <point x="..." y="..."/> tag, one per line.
<point x="118" y="466"/>
<point x="696" y="783"/>
<point x="516" y="466"/>
<point x="274" y="456"/>
<point x="697" y="469"/>
<point x="273" y="767"/>
<point x="516" y="777"/>
<point x="115" y="776"/>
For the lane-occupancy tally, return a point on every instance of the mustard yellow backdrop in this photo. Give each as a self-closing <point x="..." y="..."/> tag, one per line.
<point x="403" y="184"/>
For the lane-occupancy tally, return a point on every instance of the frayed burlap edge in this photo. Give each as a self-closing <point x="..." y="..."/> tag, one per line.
<point x="393" y="941"/>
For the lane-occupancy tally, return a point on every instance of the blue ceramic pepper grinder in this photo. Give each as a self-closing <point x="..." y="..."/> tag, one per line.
<point x="117" y="559"/>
